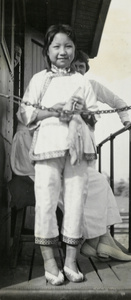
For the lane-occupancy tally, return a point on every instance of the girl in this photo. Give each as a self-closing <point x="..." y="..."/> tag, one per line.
<point x="51" y="149"/>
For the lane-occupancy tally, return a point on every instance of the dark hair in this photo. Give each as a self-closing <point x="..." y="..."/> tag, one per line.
<point x="82" y="57"/>
<point x="50" y="34"/>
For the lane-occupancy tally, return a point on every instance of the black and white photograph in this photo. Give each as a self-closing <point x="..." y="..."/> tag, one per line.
<point x="65" y="149"/>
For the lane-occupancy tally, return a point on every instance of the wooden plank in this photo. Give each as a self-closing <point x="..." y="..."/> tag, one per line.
<point x="91" y="277"/>
<point x="123" y="272"/>
<point x="106" y="274"/>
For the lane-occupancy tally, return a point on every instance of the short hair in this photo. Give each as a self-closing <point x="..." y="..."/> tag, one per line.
<point x="50" y="34"/>
<point x="82" y="57"/>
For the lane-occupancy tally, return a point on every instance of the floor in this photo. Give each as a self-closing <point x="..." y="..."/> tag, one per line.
<point x="111" y="280"/>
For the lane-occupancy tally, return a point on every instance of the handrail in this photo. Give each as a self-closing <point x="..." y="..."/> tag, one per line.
<point x="99" y="146"/>
<point x="113" y="135"/>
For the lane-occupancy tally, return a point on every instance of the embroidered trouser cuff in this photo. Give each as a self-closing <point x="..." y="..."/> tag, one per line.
<point x="46" y="242"/>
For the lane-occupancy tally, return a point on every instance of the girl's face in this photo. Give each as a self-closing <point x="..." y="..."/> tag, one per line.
<point x="61" y="51"/>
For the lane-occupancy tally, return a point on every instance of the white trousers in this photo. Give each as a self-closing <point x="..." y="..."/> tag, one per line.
<point x="48" y="174"/>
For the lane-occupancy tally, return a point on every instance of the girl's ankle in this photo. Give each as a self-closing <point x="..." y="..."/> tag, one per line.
<point x="71" y="265"/>
<point x="51" y="267"/>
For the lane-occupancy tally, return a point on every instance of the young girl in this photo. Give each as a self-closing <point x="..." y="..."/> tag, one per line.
<point x="50" y="150"/>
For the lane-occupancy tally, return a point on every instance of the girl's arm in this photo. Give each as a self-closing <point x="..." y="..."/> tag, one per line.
<point x="29" y="115"/>
<point x="43" y="114"/>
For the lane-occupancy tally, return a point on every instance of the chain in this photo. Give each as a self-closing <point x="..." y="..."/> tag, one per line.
<point x="68" y="112"/>
<point x="82" y="111"/>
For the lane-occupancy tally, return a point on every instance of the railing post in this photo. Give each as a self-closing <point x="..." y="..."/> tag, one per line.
<point x="130" y="190"/>
<point x="99" y="159"/>
<point x="112" y="172"/>
<point x="112" y="163"/>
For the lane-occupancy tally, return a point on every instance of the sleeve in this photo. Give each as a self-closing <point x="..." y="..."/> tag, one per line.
<point x="104" y="95"/>
<point x="27" y="113"/>
<point x="90" y="98"/>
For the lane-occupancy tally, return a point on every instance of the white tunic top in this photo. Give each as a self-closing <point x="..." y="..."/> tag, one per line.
<point x="50" y="138"/>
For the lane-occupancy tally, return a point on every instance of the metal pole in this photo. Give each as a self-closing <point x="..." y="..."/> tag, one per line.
<point x="112" y="163"/>
<point x="112" y="173"/>
<point x="99" y="161"/>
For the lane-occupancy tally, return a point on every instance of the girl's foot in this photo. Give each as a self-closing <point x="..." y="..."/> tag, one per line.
<point x="70" y="269"/>
<point x="73" y="276"/>
<point x="52" y="273"/>
<point x="54" y="280"/>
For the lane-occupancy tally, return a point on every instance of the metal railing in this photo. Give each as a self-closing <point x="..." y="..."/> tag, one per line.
<point x="110" y="139"/>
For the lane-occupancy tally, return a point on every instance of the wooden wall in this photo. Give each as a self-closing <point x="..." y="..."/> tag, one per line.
<point x="6" y="129"/>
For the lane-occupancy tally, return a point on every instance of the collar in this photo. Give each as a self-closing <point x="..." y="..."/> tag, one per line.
<point x="55" y="70"/>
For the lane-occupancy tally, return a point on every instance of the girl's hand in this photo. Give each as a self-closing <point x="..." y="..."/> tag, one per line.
<point x="59" y="107"/>
<point x="78" y="103"/>
<point x="65" y="117"/>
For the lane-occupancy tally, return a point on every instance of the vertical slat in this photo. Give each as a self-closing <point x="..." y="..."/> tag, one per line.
<point x="73" y="17"/>
<point x="112" y="163"/>
<point x="112" y="173"/>
<point x="99" y="158"/>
